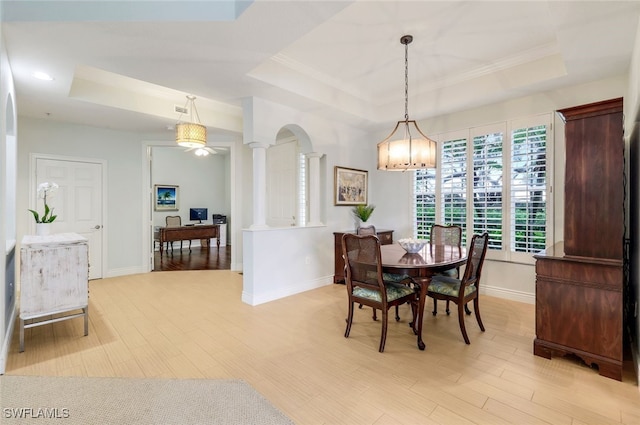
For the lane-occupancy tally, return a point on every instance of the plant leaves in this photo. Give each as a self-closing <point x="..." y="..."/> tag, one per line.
<point x="35" y="215"/>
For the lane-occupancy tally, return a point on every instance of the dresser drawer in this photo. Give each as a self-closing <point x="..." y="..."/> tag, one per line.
<point x="386" y="238"/>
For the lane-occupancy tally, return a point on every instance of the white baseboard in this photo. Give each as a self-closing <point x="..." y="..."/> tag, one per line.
<point x="509" y="294"/>
<point x="267" y="296"/>
<point x="124" y="271"/>
<point x="4" y="354"/>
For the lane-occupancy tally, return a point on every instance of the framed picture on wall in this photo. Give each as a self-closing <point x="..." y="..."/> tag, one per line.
<point x="350" y="186"/>
<point x="166" y="197"/>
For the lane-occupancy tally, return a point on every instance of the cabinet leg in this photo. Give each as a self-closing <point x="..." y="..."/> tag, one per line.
<point x="86" y="320"/>
<point x="541" y="351"/>
<point x="21" y="335"/>
<point x="610" y="371"/>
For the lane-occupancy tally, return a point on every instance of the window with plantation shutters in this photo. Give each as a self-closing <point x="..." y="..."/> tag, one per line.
<point x="491" y="179"/>
<point x="453" y="182"/>
<point x="487" y="187"/>
<point x="302" y="190"/>
<point x="528" y="208"/>
<point x="424" y="205"/>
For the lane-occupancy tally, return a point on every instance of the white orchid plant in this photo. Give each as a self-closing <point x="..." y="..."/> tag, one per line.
<point x="45" y="189"/>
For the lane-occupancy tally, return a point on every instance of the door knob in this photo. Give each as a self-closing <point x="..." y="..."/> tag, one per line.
<point x="97" y="227"/>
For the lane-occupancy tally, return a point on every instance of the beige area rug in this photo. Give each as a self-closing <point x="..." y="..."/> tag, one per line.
<point x="121" y="401"/>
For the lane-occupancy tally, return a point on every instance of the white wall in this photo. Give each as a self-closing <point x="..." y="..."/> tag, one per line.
<point x="203" y="181"/>
<point x="8" y="234"/>
<point x="122" y="153"/>
<point x="285" y="261"/>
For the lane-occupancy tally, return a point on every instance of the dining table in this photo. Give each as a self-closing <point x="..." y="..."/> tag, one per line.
<point x="421" y="266"/>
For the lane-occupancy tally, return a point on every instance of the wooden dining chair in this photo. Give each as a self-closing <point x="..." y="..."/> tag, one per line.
<point x="368" y="230"/>
<point x="462" y="291"/>
<point x="446" y="235"/>
<point x="387" y="277"/>
<point x="365" y="285"/>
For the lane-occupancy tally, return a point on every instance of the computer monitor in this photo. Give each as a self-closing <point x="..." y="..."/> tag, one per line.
<point x="198" y="214"/>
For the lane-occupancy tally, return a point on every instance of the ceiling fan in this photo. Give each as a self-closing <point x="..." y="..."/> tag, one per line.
<point x="206" y="150"/>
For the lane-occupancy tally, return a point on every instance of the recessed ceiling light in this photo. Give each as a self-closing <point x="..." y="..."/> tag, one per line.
<point x="42" y="76"/>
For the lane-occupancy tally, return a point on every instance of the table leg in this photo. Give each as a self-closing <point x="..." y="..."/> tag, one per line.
<point x="424" y="285"/>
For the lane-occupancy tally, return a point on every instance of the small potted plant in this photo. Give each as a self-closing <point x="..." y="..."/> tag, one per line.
<point x="363" y="212"/>
<point x="44" y="222"/>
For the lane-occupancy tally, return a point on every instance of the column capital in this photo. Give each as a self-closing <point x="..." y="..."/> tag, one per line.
<point x="314" y="155"/>
<point x="258" y="145"/>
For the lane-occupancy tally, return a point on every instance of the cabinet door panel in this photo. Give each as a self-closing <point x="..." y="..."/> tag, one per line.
<point x="587" y="319"/>
<point x="593" y="184"/>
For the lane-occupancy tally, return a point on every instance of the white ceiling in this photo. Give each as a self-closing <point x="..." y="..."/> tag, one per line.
<point x="125" y="65"/>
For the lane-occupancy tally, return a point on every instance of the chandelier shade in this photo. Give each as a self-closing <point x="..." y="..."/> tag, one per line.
<point x="406" y="148"/>
<point x="191" y="134"/>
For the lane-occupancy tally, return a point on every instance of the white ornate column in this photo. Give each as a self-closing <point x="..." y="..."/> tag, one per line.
<point x="259" y="185"/>
<point x="314" y="188"/>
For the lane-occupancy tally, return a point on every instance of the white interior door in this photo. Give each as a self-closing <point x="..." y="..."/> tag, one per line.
<point x="77" y="203"/>
<point x="281" y="184"/>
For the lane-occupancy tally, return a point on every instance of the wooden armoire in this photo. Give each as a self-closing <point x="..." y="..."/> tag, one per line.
<point x="579" y="282"/>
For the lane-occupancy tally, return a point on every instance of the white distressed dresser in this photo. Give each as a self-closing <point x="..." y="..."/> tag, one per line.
<point x="54" y="280"/>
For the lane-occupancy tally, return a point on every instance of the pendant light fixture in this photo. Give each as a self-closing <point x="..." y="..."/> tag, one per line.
<point x="406" y="148"/>
<point x="191" y="134"/>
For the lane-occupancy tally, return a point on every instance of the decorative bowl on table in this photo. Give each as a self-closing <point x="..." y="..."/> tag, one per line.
<point x="411" y="259"/>
<point x="412" y="246"/>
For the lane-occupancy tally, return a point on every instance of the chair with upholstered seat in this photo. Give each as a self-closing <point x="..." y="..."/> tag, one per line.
<point x="446" y="235"/>
<point x="365" y="285"/>
<point x="462" y="291"/>
<point x="368" y="230"/>
<point x="387" y="277"/>
<point x="173" y="221"/>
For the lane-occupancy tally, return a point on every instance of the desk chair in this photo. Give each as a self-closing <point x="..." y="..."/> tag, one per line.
<point x="173" y="221"/>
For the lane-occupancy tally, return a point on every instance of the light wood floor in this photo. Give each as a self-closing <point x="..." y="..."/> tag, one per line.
<point x="192" y="324"/>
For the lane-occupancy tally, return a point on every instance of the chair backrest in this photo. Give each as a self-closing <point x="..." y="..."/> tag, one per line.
<point x="366" y="230"/>
<point x="445" y="235"/>
<point x="173" y="221"/>
<point x="362" y="262"/>
<point x="477" y="251"/>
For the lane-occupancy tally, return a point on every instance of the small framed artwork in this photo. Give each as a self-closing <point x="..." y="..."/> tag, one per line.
<point x="166" y="197"/>
<point x="350" y="186"/>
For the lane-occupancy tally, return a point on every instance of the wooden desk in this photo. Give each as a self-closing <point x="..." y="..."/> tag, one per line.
<point x="422" y="265"/>
<point x="187" y="233"/>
